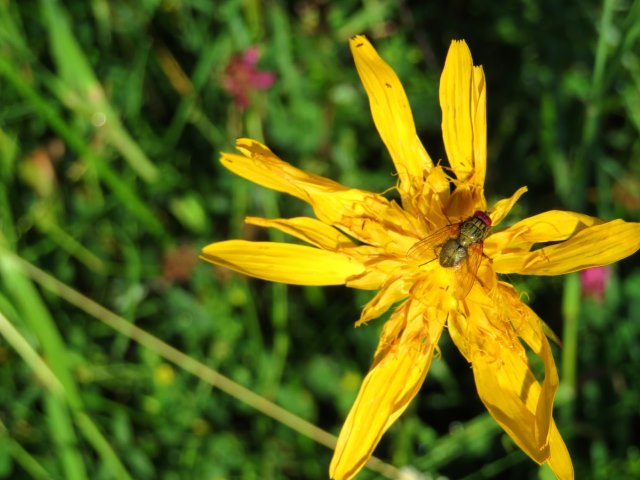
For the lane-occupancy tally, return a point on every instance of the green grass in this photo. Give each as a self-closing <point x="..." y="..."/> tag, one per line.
<point x="122" y="356"/>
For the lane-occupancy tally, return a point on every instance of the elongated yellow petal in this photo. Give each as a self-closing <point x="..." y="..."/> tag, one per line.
<point x="464" y="125"/>
<point x="394" y="290"/>
<point x="367" y="216"/>
<point x="260" y="165"/>
<point x="551" y="226"/>
<point x="559" y="458"/>
<point x="388" y="388"/>
<point x="391" y="114"/>
<point x="479" y="119"/>
<point x="530" y="328"/>
<point x="308" y="229"/>
<point x="380" y="267"/>
<point x="487" y="334"/>
<point x="283" y="262"/>
<point x="591" y="247"/>
<point x="510" y="392"/>
<point x="502" y="208"/>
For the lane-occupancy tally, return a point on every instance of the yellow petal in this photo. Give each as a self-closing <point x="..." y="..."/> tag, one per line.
<point x="479" y="114"/>
<point x="465" y="200"/>
<point x="550" y="226"/>
<point x="367" y="216"/>
<point x="283" y="262"/>
<point x="429" y="204"/>
<point x="388" y="388"/>
<point x="464" y="126"/>
<point x="260" y="165"/>
<point x="395" y="289"/>
<point x="559" y="459"/>
<point x="502" y="208"/>
<point x="391" y="114"/>
<point x="375" y="221"/>
<point x="509" y="391"/>
<point x="380" y="267"/>
<point x="487" y="334"/>
<point x="308" y="229"/>
<point x="593" y="246"/>
<point x="530" y="328"/>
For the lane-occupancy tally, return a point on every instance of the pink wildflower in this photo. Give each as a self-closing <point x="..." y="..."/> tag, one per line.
<point x="594" y="281"/>
<point x="241" y="77"/>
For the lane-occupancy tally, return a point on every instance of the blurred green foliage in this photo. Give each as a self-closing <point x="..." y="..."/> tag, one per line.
<point x="112" y="115"/>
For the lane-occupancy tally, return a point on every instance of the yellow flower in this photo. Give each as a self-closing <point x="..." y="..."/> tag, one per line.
<point x="361" y="239"/>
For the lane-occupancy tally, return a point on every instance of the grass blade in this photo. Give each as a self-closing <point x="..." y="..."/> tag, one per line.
<point x="84" y="94"/>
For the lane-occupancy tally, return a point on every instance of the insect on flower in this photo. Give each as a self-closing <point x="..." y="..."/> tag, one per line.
<point x="457" y="246"/>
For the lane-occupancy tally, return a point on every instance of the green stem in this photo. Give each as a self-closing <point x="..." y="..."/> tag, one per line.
<point x="571" y="314"/>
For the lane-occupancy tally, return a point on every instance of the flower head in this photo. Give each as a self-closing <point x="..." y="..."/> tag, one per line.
<point x="241" y="77"/>
<point x="364" y="240"/>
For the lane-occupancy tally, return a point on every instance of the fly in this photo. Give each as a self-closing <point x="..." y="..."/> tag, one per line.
<point x="457" y="246"/>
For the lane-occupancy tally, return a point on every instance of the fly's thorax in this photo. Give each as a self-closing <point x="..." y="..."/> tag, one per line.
<point x="473" y="230"/>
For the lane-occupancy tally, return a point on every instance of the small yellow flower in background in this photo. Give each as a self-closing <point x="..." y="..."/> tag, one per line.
<point x="363" y="240"/>
<point x="164" y="375"/>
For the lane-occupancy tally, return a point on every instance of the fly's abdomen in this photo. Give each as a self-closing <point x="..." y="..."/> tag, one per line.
<point x="452" y="253"/>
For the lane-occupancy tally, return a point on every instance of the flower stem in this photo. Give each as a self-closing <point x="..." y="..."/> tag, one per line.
<point x="571" y="313"/>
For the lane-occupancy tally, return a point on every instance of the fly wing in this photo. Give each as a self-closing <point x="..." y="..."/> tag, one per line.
<point x="465" y="273"/>
<point x="428" y="248"/>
